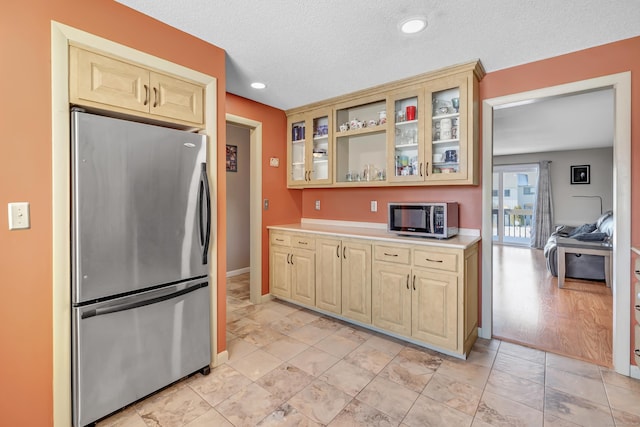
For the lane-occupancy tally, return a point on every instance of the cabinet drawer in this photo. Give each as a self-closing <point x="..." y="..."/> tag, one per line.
<point x="303" y="242"/>
<point x="280" y="239"/>
<point x="392" y="254"/>
<point x="437" y="260"/>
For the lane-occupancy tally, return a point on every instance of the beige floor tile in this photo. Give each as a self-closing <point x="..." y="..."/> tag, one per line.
<point x="314" y="361"/>
<point x="286" y="348"/>
<point x="489" y="344"/>
<point x="576" y="385"/>
<point x="249" y="406"/>
<point x="305" y="316"/>
<point x="354" y="333"/>
<point x="337" y="345"/>
<point x="310" y="334"/>
<point x="320" y="401"/>
<point x="464" y="372"/>
<point x="457" y="395"/>
<point x="576" y="409"/>
<point x="625" y="419"/>
<point x="553" y="421"/>
<point x="282" y="307"/>
<point x="222" y="382"/>
<point x="346" y="377"/>
<point x="622" y="399"/>
<point x="287" y="416"/>
<point x="519" y="367"/>
<point x="256" y="364"/>
<point x="412" y="368"/>
<point x="610" y="376"/>
<point x="210" y="418"/>
<point x="515" y="388"/>
<point x="386" y="396"/>
<point x="287" y="324"/>
<point x="574" y="366"/>
<point x="496" y="410"/>
<point x="125" y="418"/>
<point x="242" y="327"/>
<point x="385" y="344"/>
<point x="328" y="324"/>
<point x="285" y="381"/>
<point x="174" y="406"/>
<point x="263" y="335"/>
<point x="428" y="412"/>
<point x="526" y="353"/>
<point x="238" y="348"/>
<point x="358" y="414"/>
<point x="482" y="356"/>
<point x="266" y="315"/>
<point x="369" y="358"/>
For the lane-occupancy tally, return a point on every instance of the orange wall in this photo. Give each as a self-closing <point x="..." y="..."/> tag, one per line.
<point x="25" y="175"/>
<point x="284" y="205"/>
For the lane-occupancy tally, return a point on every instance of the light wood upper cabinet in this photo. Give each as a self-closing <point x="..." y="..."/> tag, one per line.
<point x="309" y="148"/>
<point x="417" y="131"/>
<point x="104" y="82"/>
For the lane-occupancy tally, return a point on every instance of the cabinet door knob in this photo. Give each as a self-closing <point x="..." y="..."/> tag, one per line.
<point x="146" y="94"/>
<point x="155" y="97"/>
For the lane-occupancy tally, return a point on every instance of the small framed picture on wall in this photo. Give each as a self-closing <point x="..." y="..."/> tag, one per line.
<point x="581" y="174"/>
<point x="232" y="158"/>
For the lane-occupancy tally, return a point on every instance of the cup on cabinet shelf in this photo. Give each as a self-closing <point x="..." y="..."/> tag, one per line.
<point x="411" y="112"/>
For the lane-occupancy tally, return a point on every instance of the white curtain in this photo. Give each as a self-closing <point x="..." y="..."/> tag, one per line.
<point x="543" y="212"/>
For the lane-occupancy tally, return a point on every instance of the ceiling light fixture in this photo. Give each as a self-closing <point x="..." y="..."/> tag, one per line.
<point x="413" y="25"/>
<point x="258" y="85"/>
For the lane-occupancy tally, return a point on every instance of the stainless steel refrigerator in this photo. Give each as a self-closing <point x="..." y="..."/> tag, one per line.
<point x="140" y="289"/>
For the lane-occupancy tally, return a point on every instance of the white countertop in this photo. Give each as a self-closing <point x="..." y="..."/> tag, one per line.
<point x="457" y="242"/>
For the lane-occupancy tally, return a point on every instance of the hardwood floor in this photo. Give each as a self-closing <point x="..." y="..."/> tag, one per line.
<point x="529" y="309"/>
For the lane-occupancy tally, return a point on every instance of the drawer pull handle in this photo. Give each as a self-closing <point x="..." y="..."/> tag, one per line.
<point x="302" y="243"/>
<point x="637" y="352"/>
<point x="638" y="307"/>
<point x="146" y="94"/>
<point x="279" y="240"/>
<point x="407" y="281"/>
<point x="155" y="97"/>
<point x="390" y="254"/>
<point x="637" y="271"/>
<point x="433" y="260"/>
<point x="414" y="282"/>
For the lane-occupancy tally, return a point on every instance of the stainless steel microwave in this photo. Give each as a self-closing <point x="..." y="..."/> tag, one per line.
<point x="438" y="220"/>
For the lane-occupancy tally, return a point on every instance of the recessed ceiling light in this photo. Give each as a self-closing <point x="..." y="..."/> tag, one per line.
<point x="258" y="85"/>
<point x="413" y="25"/>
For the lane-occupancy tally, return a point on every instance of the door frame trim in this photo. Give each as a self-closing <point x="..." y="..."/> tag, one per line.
<point x="621" y="84"/>
<point x="255" y="204"/>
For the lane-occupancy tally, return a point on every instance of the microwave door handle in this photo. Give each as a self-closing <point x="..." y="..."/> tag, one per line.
<point x="431" y="219"/>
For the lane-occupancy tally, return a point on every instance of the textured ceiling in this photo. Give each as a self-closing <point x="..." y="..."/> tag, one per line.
<point x="310" y="50"/>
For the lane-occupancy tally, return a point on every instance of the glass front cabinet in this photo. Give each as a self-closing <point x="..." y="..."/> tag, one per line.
<point x="419" y="131"/>
<point x="309" y="151"/>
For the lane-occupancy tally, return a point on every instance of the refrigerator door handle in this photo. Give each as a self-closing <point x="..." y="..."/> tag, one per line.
<point x="205" y="229"/>
<point x="141" y="302"/>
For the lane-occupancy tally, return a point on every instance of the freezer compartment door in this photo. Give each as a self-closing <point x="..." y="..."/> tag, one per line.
<point x="141" y="206"/>
<point x="127" y="348"/>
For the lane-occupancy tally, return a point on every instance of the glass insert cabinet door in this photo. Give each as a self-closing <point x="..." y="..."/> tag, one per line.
<point x="406" y="137"/>
<point x="446" y="104"/>
<point x="309" y="149"/>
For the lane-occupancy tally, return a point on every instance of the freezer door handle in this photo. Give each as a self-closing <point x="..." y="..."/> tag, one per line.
<point x="205" y="229"/>
<point x="141" y="303"/>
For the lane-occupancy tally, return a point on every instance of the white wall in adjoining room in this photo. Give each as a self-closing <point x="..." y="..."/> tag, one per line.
<point x="568" y="209"/>
<point x="238" y="204"/>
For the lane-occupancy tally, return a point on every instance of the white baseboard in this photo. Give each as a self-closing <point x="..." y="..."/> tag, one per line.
<point x="221" y="358"/>
<point x="238" y="272"/>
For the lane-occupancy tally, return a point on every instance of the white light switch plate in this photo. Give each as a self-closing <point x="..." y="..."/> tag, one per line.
<point x="19" y="215"/>
<point x="374" y="206"/>
<point x="274" y="162"/>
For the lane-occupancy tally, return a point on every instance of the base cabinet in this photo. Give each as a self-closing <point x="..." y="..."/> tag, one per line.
<point x="343" y="278"/>
<point x="426" y="293"/>
<point x="292" y="269"/>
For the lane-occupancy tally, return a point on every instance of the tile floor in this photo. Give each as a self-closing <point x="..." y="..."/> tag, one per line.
<point x="293" y="367"/>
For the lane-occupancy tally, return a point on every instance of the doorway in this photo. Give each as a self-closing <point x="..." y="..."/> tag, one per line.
<point x="621" y="84"/>
<point x="255" y="203"/>
<point x="513" y="199"/>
